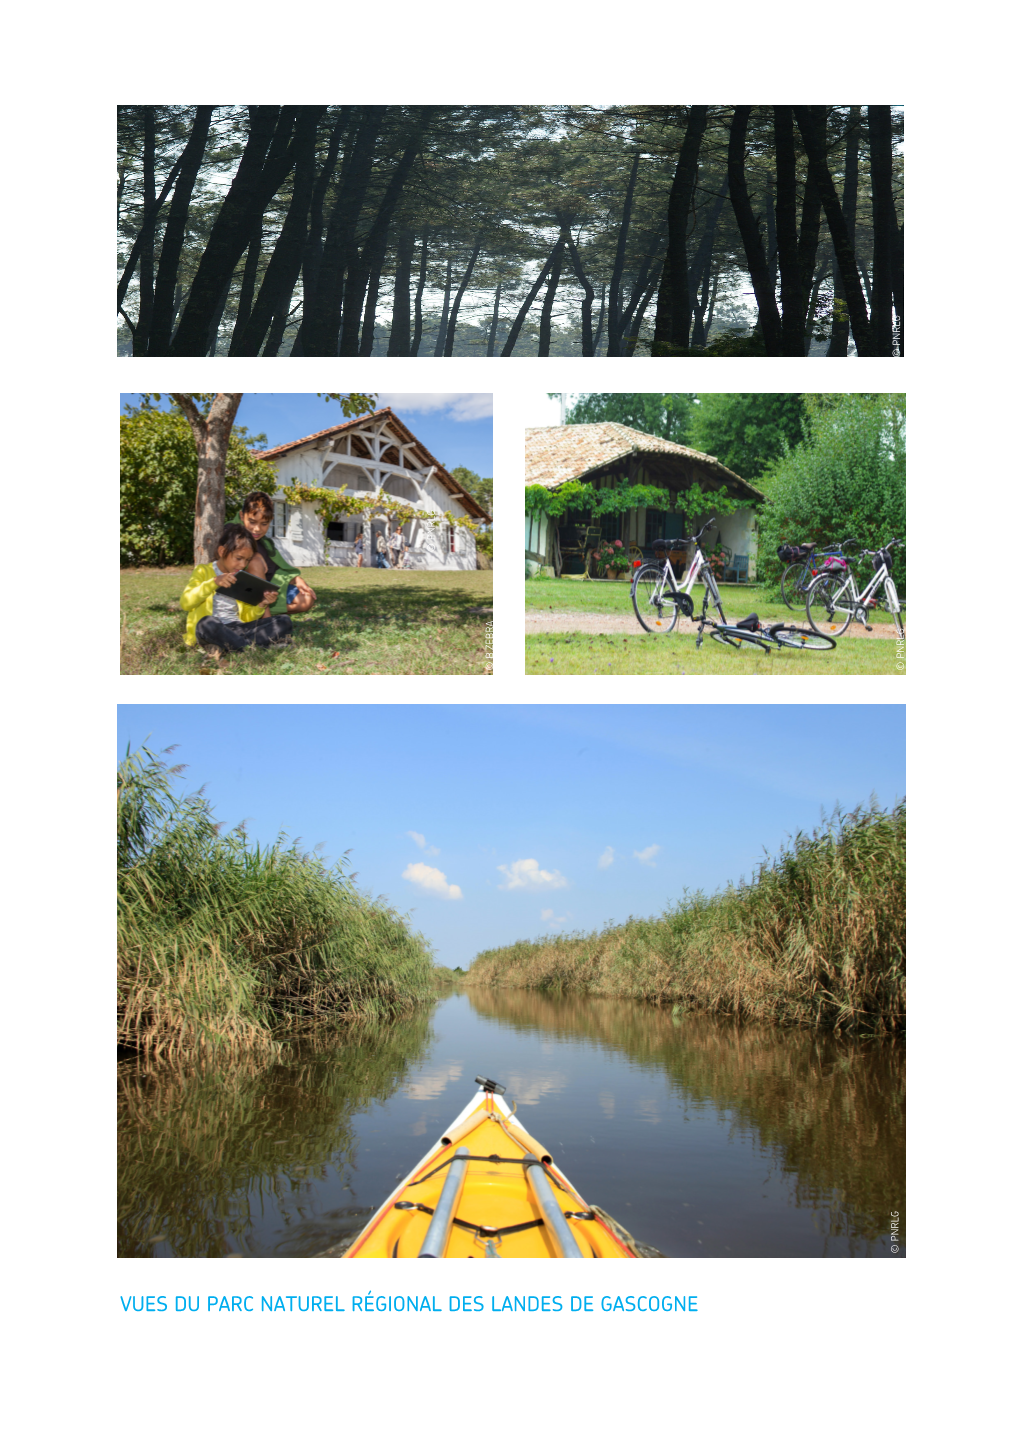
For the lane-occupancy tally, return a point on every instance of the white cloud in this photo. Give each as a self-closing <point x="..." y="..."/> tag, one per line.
<point x="461" y="405"/>
<point x="647" y="857"/>
<point x="607" y="858"/>
<point x="549" y="915"/>
<point x="430" y="878"/>
<point x="529" y="875"/>
<point x="419" y="841"/>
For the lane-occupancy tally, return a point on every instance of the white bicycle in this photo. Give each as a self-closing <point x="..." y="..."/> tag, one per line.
<point x="657" y="595"/>
<point x="833" y="601"/>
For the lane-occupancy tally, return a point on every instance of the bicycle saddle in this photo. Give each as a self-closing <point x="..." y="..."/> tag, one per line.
<point x="750" y="623"/>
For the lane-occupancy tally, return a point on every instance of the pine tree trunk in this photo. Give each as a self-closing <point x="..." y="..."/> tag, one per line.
<point x="490" y="348"/>
<point x="840" y="335"/>
<point x="673" y="313"/>
<point x="267" y="159"/>
<point x="451" y="328"/>
<point x="635" y="332"/>
<point x="247" y="294"/>
<point x="419" y="319"/>
<point x="373" y="252"/>
<point x="444" y="318"/>
<point x="400" y="321"/>
<point x="216" y="319"/>
<point x="883" y="211"/>
<point x="602" y="320"/>
<point x="811" y="121"/>
<point x="587" y="343"/>
<point x="757" y="262"/>
<point x="319" y="333"/>
<point x="545" y="323"/>
<point x="146" y="257"/>
<point x="616" y="280"/>
<point x="786" y="232"/>
<point x="627" y="336"/>
<point x="163" y="307"/>
<point x="371" y="301"/>
<point x="311" y="256"/>
<point x="285" y="262"/>
<point x="522" y="314"/>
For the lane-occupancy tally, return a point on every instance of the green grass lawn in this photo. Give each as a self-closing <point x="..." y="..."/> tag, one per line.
<point x="574" y="653"/>
<point x="366" y="623"/>
<point x="577" y="653"/>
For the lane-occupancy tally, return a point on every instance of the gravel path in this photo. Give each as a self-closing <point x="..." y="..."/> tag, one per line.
<point x="592" y="623"/>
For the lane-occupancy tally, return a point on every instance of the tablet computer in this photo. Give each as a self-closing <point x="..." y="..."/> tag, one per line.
<point x="248" y="589"/>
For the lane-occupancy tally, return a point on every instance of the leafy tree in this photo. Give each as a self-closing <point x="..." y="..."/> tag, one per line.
<point x="478" y="487"/>
<point x="746" y="432"/>
<point x="668" y="416"/>
<point x="847" y="478"/>
<point x="211" y="418"/>
<point x="157" y="484"/>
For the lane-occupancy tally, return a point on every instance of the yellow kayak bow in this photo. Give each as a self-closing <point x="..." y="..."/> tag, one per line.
<point x="488" y="1189"/>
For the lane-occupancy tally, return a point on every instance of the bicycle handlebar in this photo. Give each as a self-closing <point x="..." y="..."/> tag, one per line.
<point x="682" y="540"/>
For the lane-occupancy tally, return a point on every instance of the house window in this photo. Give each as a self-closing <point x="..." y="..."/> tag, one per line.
<point x="453" y="540"/>
<point x="281" y="519"/>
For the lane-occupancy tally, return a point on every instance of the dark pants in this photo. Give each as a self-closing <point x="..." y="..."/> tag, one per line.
<point x="270" y="631"/>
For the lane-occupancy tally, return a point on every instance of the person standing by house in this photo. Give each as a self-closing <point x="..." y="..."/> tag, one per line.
<point x="359" y="548"/>
<point x="295" y="595"/>
<point x="381" y="558"/>
<point x="396" y="548"/>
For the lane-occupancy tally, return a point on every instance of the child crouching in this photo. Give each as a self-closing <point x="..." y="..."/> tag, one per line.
<point x="217" y="621"/>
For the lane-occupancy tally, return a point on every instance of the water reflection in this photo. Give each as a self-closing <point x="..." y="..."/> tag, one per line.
<point x="831" y="1111"/>
<point x="702" y="1138"/>
<point x="206" y="1153"/>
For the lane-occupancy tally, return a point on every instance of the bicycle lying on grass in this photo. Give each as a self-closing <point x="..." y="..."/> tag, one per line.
<point x="833" y="601"/>
<point x="751" y="632"/>
<point x="655" y="591"/>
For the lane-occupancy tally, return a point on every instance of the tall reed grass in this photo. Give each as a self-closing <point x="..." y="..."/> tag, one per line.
<point x="225" y="943"/>
<point x="818" y="939"/>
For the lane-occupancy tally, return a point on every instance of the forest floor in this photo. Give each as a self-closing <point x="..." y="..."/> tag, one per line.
<point x="366" y="623"/>
<point x="588" y="629"/>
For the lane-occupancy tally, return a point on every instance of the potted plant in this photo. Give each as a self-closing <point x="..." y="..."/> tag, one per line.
<point x="611" y="557"/>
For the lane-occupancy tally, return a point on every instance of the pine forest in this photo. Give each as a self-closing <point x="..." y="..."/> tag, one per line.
<point x="562" y="230"/>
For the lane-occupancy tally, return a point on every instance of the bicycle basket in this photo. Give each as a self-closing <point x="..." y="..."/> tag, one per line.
<point x="834" y="563"/>
<point x="880" y="559"/>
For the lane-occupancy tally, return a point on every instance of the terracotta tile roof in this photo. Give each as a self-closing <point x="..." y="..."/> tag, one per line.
<point x="554" y="454"/>
<point x="397" y="426"/>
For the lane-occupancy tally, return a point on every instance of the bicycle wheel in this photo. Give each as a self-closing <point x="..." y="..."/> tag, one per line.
<point x="891" y="603"/>
<point x="792" y="585"/>
<point x="655" y="611"/>
<point x="802" y="639"/>
<point x="830" y="605"/>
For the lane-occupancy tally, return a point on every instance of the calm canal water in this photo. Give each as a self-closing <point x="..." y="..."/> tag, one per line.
<point x="702" y="1138"/>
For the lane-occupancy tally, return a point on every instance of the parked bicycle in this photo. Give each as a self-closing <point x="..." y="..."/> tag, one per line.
<point x="833" y="601"/>
<point x="655" y="591"/>
<point x="805" y="564"/>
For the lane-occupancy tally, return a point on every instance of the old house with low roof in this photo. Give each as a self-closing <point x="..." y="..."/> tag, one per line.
<point x="373" y="456"/>
<point x="609" y="454"/>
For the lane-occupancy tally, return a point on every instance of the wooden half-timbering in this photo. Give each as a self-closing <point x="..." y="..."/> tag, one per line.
<point x="372" y="457"/>
<point x="606" y="454"/>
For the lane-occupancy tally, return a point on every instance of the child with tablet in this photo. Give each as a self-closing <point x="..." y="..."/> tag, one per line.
<point x="221" y="621"/>
<point x="296" y="596"/>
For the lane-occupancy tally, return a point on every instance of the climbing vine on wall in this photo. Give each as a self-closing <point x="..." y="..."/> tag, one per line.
<point x="332" y="505"/>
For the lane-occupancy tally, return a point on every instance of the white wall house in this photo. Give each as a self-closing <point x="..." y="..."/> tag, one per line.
<point x="609" y="454"/>
<point x="372" y="456"/>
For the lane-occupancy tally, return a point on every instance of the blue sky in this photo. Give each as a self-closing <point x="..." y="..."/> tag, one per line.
<point x="455" y="426"/>
<point x="494" y="823"/>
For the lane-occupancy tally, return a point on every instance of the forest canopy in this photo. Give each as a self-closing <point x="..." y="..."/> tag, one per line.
<point x="510" y="230"/>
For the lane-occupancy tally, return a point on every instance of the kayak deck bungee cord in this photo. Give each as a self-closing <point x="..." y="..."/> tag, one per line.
<point x="489" y="1190"/>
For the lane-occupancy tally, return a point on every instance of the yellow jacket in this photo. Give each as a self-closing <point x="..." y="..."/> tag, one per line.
<point x="197" y="599"/>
